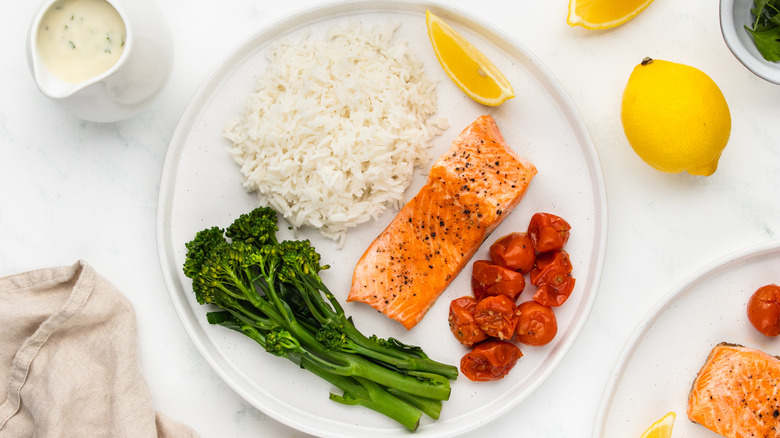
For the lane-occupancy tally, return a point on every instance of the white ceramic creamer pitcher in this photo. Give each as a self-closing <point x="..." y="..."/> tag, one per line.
<point x="93" y="89"/>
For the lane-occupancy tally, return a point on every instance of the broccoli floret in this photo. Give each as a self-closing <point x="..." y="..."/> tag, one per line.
<point x="258" y="227"/>
<point x="272" y="293"/>
<point x="223" y="276"/>
<point x="335" y="340"/>
<point x="280" y="343"/>
<point x="199" y="247"/>
<point x="299" y="258"/>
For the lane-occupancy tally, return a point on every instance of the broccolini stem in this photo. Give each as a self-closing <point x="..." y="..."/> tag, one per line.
<point x="268" y="273"/>
<point x="427" y="406"/>
<point x="345" y="364"/>
<point x="337" y="319"/>
<point x="353" y="365"/>
<point x="357" y="391"/>
<point x="400" y="359"/>
<point x="249" y="318"/>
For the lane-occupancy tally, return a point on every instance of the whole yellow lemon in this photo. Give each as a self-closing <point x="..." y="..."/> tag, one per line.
<point x="675" y="117"/>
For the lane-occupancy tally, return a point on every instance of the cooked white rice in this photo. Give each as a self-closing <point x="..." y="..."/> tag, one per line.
<point x="335" y="128"/>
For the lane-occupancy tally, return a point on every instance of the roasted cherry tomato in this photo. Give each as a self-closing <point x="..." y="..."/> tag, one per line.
<point x="552" y="277"/>
<point x="548" y="232"/>
<point x="489" y="279"/>
<point x="763" y="310"/>
<point x="536" y="324"/>
<point x="490" y="360"/>
<point x="495" y="315"/>
<point x="550" y="264"/>
<point x="514" y="251"/>
<point x="554" y="294"/>
<point x="462" y="323"/>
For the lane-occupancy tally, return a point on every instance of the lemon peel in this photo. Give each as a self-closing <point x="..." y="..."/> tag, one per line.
<point x="661" y="428"/>
<point x="469" y="68"/>
<point x="604" y="14"/>
<point x="675" y="117"/>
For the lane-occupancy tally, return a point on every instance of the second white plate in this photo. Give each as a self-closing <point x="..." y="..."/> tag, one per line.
<point x="659" y="364"/>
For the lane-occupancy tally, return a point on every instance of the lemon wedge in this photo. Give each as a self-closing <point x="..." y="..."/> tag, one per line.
<point x="661" y="428"/>
<point x="471" y="70"/>
<point x="604" y="14"/>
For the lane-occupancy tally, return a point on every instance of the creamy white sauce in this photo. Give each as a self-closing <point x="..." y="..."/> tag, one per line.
<point x="80" y="39"/>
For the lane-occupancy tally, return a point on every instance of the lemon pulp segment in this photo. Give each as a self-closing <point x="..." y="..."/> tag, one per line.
<point x="661" y="428"/>
<point x="469" y="68"/>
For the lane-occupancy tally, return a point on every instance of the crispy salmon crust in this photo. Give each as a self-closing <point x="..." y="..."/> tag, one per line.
<point x="736" y="393"/>
<point x="470" y="189"/>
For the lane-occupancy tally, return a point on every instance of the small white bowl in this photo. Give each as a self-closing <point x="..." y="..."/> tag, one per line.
<point x="734" y="16"/>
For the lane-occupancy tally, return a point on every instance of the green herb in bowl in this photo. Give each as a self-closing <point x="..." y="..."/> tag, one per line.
<point x="766" y="28"/>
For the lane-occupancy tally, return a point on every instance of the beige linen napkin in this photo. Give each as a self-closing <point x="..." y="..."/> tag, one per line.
<point x="68" y="360"/>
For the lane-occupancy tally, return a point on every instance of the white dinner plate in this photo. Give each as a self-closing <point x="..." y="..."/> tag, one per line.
<point x="659" y="364"/>
<point x="201" y="187"/>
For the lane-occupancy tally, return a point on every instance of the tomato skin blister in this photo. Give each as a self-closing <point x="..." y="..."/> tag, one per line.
<point x="536" y="324"/>
<point x="554" y="294"/>
<point x="548" y="232"/>
<point x="549" y="265"/>
<point x="495" y="316"/>
<point x="462" y="323"/>
<point x="490" y="279"/>
<point x="490" y="360"/>
<point x="552" y="277"/>
<point x="763" y="310"/>
<point x="514" y="251"/>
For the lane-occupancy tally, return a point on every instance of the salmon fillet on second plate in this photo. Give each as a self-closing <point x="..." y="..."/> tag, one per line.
<point x="469" y="191"/>
<point x="736" y="393"/>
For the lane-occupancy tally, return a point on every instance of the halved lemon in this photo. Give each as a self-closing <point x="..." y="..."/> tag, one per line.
<point x="661" y="428"/>
<point x="603" y="14"/>
<point x="471" y="70"/>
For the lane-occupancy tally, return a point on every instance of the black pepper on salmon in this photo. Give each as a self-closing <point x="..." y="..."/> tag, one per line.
<point x="470" y="189"/>
<point x="736" y="393"/>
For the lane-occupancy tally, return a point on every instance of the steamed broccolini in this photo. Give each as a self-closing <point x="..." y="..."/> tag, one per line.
<point x="271" y="291"/>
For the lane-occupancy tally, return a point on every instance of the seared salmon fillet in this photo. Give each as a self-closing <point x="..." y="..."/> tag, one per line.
<point x="469" y="191"/>
<point x="736" y="393"/>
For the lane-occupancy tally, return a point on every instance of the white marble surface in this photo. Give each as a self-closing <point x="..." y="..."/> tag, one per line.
<point x="75" y="190"/>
